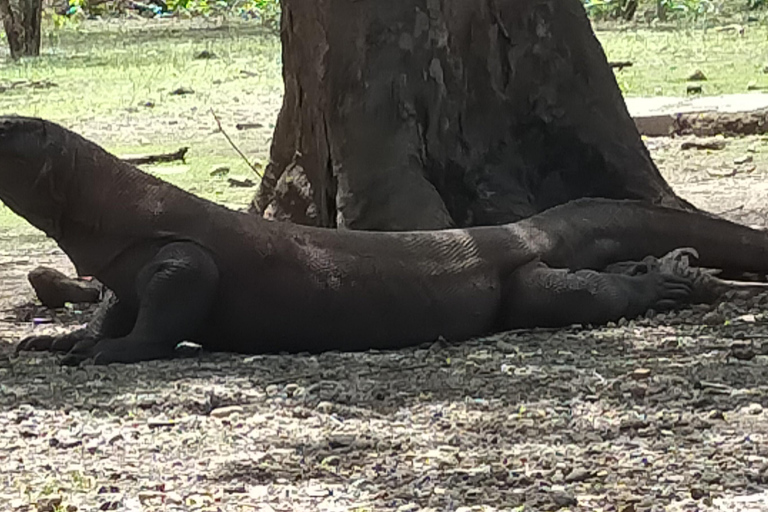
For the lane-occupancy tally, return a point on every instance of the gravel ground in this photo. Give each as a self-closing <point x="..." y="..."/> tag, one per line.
<point x="662" y="413"/>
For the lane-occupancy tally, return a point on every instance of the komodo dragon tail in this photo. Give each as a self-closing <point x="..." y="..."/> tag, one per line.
<point x="593" y="233"/>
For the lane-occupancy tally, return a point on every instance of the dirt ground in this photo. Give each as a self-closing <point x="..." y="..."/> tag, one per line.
<point x="666" y="413"/>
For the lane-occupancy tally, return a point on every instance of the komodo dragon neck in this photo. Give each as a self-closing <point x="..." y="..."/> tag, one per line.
<point x="93" y="204"/>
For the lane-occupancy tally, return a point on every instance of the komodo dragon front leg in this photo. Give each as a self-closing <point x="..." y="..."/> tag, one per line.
<point x="110" y="320"/>
<point x="176" y="290"/>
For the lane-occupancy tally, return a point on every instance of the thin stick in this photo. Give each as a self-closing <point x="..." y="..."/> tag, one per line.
<point x="731" y="210"/>
<point x="231" y="143"/>
<point x="157" y="159"/>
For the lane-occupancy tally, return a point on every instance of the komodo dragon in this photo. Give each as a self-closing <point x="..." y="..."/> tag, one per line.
<point x="183" y="268"/>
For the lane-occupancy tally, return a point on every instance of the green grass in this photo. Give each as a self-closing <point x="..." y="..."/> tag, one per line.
<point x="113" y="83"/>
<point x="106" y="68"/>
<point x="664" y="59"/>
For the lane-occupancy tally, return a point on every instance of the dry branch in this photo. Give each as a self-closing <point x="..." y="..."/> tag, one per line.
<point x="157" y="159"/>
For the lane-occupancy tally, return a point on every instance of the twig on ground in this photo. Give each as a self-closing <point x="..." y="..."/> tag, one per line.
<point x="620" y="65"/>
<point x="231" y="143"/>
<point x="156" y="159"/>
<point x="731" y="210"/>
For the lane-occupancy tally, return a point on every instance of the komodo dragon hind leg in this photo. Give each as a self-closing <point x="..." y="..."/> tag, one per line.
<point x="111" y="319"/>
<point x="176" y="290"/>
<point x="706" y="287"/>
<point x="536" y="295"/>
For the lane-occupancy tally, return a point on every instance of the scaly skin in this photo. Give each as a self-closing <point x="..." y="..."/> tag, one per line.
<point x="183" y="268"/>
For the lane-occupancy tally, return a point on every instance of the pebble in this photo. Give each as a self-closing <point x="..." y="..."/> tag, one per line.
<point x="579" y="475"/>
<point x="219" y="170"/>
<point x="641" y="373"/>
<point x="697" y="493"/>
<point x="224" y="412"/>
<point x="564" y="499"/>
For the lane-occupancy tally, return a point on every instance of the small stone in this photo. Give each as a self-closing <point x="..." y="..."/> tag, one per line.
<point x="717" y="415"/>
<point x="317" y="492"/>
<point x="697" y="76"/>
<point x="697" y="493"/>
<point x="145" y="496"/>
<point x="579" y="475"/>
<point x="722" y="172"/>
<point x="713" y="318"/>
<point x="64" y="442"/>
<point x="160" y="422"/>
<point x="332" y="460"/>
<point x="693" y="89"/>
<point x="224" y="412"/>
<point x="115" y="438"/>
<point x="219" y="170"/>
<point x="743" y="160"/>
<point x="54" y="288"/>
<point x="564" y="499"/>
<point x="182" y="91"/>
<point x="754" y="408"/>
<point x="641" y="373"/>
<point x="743" y="351"/>
<point x="506" y="347"/>
<point x="174" y="498"/>
<point x="290" y="389"/>
<point x="206" y="55"/>
<point x="324" y="407"/>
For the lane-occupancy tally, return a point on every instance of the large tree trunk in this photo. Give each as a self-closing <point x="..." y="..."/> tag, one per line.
<point x="416" y="114"/>
<point x="21" y="21"/>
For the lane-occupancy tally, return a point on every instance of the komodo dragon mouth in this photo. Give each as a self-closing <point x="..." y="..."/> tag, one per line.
<point x="180" y="267"/>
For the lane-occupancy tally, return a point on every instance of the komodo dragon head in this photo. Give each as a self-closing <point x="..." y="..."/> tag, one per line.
<point x="34" y="170"/>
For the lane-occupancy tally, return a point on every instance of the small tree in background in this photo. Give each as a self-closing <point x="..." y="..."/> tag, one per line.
<point x="21" y="21"/>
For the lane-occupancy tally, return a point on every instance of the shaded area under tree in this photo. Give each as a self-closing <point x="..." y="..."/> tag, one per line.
<point x="429" y="114"/>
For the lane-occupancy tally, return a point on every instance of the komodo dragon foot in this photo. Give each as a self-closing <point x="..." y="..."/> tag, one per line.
<point x="176" y="289"/>
<point x="706" y="287"/>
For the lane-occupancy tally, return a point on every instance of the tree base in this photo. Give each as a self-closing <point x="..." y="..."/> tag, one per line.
<point x="429" y="114"/>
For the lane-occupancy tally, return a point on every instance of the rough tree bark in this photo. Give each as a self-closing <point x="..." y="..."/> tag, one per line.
<point x="21" y="22"/>
<point x="417" y="114"/>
